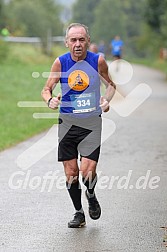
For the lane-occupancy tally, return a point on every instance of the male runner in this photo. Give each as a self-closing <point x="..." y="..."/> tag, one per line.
<point x="79" y="72"/>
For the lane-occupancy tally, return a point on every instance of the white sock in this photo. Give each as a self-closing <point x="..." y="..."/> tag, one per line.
<point x="80" y="211"/>
<point x="90" y="195"/>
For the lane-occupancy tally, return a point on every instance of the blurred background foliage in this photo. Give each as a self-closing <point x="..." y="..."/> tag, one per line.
<point x="141" y="24"/>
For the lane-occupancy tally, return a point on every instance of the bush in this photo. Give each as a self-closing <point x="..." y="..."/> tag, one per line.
<point x="4" y="50"/>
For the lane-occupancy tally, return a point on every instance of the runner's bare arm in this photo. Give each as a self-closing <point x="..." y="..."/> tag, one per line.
<point x="51" y="82"/>
<point x="106" y="79"/>
<point x="110" y="86"/>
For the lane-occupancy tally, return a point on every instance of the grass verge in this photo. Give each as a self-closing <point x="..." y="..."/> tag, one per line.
<point x="154" y="63"/>
<point x="17" y="84"/>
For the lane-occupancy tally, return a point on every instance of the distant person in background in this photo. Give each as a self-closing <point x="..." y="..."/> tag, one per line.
<point x="102" y="48"/>
<point x="93" y="48"/>
<point x="116" y="50"/>
<point x="116" y="47"/>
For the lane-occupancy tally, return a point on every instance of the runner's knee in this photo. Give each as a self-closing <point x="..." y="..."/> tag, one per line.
<point x="71" y="170"/>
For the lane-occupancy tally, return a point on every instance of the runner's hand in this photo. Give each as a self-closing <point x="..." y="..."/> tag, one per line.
<point x="104" y="104"/>
<point x="54" y="102"/>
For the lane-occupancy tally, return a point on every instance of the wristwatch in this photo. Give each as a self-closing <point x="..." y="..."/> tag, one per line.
<point x="48" y="102"/>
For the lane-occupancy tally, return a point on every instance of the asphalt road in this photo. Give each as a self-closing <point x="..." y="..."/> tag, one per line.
<point x="35" y="206"/>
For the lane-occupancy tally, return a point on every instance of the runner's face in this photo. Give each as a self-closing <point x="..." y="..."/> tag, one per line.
<point x="78" y="42"/>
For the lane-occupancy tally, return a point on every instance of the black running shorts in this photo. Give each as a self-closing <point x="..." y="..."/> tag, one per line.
<point x="79" y="136"/>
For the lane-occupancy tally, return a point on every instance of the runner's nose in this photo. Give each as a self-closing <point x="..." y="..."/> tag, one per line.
<point x="77" y="43"/>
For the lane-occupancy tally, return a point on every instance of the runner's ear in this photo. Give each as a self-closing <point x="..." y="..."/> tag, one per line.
<point x="66" y="43"/>
<point x="88" y="41"/>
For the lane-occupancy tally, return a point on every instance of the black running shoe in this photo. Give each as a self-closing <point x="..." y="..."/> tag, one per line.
<point x="78" y="221"/>
<point x="94" y="207"/>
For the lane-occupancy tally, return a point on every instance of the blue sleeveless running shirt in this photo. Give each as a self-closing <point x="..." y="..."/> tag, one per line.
<point x="80" y="86"/>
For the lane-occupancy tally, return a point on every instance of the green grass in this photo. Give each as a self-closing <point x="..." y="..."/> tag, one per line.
<point x="154" y="63"/>
<point x="17" y="84"/>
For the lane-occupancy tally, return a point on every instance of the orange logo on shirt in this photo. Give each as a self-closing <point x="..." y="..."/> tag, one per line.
<point x="78" y="80"/>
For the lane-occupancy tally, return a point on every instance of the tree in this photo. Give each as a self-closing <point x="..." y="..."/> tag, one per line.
<point x="83" y="11"/>
<point x="1" y="4"/>
<point x="153" y="14"/>
<point x="2" y="14"/>
<point x="156" y="19"/>
<point x="35" y="19"/>
<point x="163" y="28"/>
<point x="108" y="20"/>
<point x="133" y="12"/>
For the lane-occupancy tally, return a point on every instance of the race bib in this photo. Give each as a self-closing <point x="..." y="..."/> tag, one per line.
<point x="83" y="103"/>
